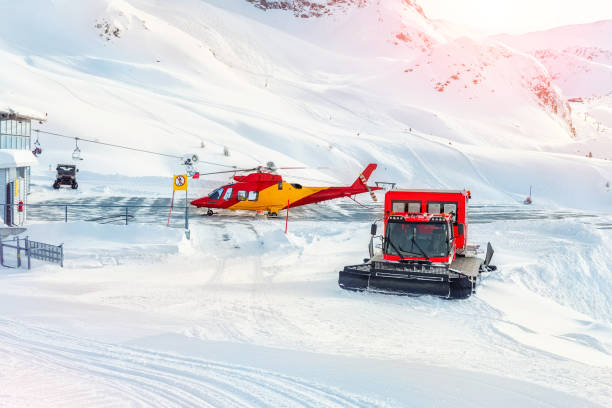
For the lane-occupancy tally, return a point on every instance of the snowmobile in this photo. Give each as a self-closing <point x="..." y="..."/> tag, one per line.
<point x="66" y="176"/>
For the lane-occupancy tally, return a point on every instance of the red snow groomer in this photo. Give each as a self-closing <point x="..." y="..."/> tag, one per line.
<point x="424" y="248"/>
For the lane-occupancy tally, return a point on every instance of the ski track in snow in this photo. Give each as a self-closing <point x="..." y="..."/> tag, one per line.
<point x="144" y="378"/>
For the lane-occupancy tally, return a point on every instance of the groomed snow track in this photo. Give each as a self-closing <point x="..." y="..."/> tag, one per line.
<point x="138" y="377"/>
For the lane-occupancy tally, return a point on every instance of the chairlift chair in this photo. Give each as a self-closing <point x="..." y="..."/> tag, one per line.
<point x="189" y="170"/>
<point x="36" y="151"/>
<point x="188" y="162"/>
<point x="76" y="154"/>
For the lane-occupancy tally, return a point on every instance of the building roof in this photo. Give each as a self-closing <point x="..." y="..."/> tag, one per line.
<point x="16" y="158"/>
<point x="19" y="113"/>
<point x="424" y="190"/>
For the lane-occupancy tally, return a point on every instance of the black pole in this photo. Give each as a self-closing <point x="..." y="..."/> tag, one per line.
<point x="126" y="216"/>
<point x="18" y="254"/>
<point x="27" y="244"/>
<point x="66" y="215"/>
<point x="186" y="212"/>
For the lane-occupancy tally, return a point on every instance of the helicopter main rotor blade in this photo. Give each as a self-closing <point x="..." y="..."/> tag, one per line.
<point x="259" y="168"/>
<point x="301" y="168"/>
<point x="228" y="171"/>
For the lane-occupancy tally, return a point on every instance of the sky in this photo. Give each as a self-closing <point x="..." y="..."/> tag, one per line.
<point x="517" y="16"/>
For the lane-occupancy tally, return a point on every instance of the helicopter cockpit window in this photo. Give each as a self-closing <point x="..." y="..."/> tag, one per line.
<point x="216" y="195"/>
<point x="228" y="194"/>
<point x="253" y="195"/>
<point x="242" y="195"/>
<point x="298" y="186"/>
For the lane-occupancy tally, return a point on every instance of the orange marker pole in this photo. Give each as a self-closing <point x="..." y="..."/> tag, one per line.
<point x="287" y="219"/>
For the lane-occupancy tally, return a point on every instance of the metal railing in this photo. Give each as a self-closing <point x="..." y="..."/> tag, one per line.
<point x="99" y="213"/>
<point x="30" y="249"/>
<point x="45" y="252"/>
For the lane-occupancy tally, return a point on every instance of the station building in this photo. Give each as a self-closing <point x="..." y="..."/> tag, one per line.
<point x="16" y="159"/>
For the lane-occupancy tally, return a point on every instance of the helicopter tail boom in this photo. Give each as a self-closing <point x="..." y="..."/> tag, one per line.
<point x="364" y="176"/>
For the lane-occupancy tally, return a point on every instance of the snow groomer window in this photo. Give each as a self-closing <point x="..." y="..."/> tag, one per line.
<point x="414" y="207"/>
<point x="434" y="208"/>
<point x="406" y="206"/>
<point x="451" y="208"/>
<point x="228" y="194"/>
<point x="253" y="195"/>
<point x="443" y="207"/>
<point x="242" y="195"/>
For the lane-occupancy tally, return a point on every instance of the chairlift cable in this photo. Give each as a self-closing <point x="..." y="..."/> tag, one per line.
<point x="126" y="147"/>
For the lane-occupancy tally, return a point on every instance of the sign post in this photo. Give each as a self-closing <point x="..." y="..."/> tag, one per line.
<point x="287" y="219"/>
<point x="179" y="184"/>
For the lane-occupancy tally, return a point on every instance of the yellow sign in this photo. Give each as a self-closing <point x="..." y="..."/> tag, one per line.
<point x="180" y="182"/>
<point x="16" y="188"/>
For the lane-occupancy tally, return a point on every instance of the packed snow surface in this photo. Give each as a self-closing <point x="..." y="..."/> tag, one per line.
<point x="242" y="314"/>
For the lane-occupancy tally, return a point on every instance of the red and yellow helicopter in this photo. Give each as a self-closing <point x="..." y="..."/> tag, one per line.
<point x="265" y="191"/>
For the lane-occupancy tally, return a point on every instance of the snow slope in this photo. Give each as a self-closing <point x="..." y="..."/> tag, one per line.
<point x="270" y="87"/>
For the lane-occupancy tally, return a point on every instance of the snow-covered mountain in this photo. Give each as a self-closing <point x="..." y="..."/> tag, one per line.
<point x="308" y="9"/>
<point x="401" y="29"/>
<point x="320" y="8"/>
<point x="579" y="58"/>
<point x="360" y="81"/>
